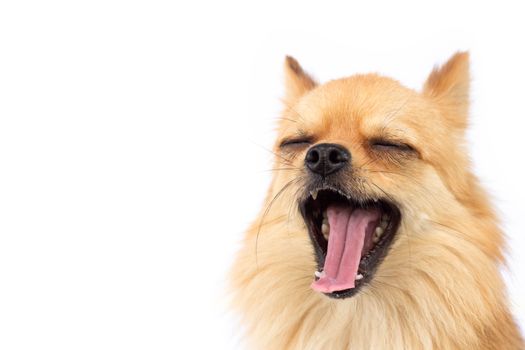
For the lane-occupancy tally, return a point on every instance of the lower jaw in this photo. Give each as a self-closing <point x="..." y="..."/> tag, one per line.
<point x="343" y="294"/>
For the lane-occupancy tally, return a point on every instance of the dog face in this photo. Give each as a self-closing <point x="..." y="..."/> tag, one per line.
<point x="368" y="163"/>
<point x="373" y="201"/>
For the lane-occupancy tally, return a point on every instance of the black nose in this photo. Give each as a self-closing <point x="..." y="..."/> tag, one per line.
<point x="326" y="158"/>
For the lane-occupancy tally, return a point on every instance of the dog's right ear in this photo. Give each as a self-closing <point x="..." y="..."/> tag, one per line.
<point x="448" y="85"/>
<point x="297" y="81"/>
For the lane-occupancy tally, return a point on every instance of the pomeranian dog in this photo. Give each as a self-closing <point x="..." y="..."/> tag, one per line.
<point x="375" y="234"/>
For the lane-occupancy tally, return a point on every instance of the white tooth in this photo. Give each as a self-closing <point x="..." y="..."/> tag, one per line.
<point x="358" y="277"/>
<point x="375" y="239"/>
<point x="379" y="231"/>
<point x="383" y="224"/>
<point x="317" y="274"/>
<point x="325" y="229"/>
<point x="314" y="194"/>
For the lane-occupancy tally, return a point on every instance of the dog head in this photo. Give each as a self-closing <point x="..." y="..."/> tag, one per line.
<point x="369" y="163"/>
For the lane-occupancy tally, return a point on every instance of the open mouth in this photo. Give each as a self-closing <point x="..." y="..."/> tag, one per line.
<point x="350" y="238"/>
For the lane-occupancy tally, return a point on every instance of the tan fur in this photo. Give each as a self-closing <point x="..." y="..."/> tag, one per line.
<point x="440" y="286"/>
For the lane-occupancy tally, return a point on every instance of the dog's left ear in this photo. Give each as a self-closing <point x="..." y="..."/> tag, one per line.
<point x="297" y="81"/>
<point x="449" y="86"/>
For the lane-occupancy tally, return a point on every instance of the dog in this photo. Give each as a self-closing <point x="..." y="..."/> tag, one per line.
<point x="375" y="233"/>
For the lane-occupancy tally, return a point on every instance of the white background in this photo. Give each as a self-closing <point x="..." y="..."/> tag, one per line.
<point x="133" y="141"/>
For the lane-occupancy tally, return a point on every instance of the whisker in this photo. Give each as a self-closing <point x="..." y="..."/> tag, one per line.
<point x="293" y="202"/>
<point x="293" y="109"/>
<point x="278" y="169"/>
<point x="369" y="162"/>
<point x="288" y="119"/>
<point x="266" y="211"/>
<point x="286" y="160"/>
<point x="389" y="118"/>
<point x="390" y="285"/>
<point x="413" y="179"/>
<point x="384" y="192"/>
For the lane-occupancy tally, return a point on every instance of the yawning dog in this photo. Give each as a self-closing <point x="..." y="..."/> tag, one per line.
<point x="374" y="234"/>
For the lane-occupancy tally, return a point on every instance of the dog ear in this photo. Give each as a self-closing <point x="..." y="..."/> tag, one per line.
<point x="449" y="85"/>
<point x="297" y="81"/>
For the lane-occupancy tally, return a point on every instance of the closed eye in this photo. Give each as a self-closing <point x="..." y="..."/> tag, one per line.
<point x="297" y="142"/>
<point x="388" y="145"/>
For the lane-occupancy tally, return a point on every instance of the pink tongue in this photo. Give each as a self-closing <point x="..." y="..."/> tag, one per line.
<point x="350" y="232"/>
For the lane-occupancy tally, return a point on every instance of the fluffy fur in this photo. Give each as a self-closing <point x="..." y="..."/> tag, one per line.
<point x="440" y="286"/>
